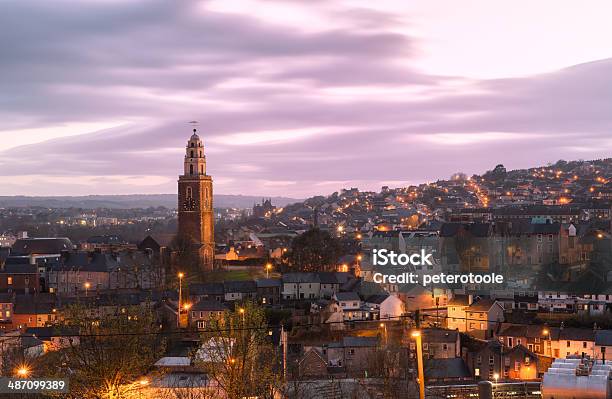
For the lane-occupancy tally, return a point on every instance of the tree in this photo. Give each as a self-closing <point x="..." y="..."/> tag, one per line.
<point x="313" y="251"/>
<point x="459" y="176"/>
<point x="498" y="174"/>
<point x="238" y="356"/>
<point x="185" y="257"/>
<point x="112" y="353"/>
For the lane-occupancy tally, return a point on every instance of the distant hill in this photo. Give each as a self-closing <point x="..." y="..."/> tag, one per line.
<point x="131" y="201"/>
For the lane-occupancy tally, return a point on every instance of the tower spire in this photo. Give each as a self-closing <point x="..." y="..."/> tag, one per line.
<point x="195" y="202"/>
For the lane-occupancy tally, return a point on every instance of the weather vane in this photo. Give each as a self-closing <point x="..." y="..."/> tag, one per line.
<point x="195" y="124"/>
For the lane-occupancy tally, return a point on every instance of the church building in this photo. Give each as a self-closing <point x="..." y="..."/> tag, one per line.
<point x="195" y="203"/>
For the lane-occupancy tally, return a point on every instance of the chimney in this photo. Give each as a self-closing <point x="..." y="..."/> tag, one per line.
<point x="470" y="299"/>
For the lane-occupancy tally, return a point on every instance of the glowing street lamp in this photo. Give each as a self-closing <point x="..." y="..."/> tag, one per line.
<point x="384" y="328"/>
<point x="496" y="377"/>
<point x="242" y="312"/>
<point x="180" y="299"/>
<point x="268" y="268"/>
<point x="546" y="333"/>
<point x="416" y="334"/>
<point x="87" y="287"/>
<point x="22" y="371"/>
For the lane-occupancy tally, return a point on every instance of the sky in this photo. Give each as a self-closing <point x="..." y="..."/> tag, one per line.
<point x="296" y="98"/>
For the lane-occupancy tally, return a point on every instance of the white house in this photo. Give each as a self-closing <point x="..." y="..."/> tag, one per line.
<point x="388" y="306"/>
<point x="301" y="286"/>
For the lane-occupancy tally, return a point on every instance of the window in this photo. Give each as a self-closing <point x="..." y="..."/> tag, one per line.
<point x="491" y="360"/>
<point x="190" y="169"/>
<point x="569" y="344"/>
<point x="517" y="366"/>
<point x="477" y="372"/>
<point x="9" y="280"/>
<point x="527" y="360"/>
<point x="584" y="345"/>
<point x="351" y="351"/>
<point x="479" y="359"/>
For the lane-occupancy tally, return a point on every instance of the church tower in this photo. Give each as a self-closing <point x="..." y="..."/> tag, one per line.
<point x="195" y="203"/>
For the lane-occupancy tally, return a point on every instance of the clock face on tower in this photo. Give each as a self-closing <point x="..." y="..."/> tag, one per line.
<point x="189" y="204"/>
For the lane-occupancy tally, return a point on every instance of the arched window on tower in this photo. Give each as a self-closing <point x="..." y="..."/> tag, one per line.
<point x="201" y="169"/>
<point x="192" y="144"/>
<point x="191" y="153"/>
<point x="200" y="153"/>
<point x="191" y="169"/>
<point x="189" y="192"/>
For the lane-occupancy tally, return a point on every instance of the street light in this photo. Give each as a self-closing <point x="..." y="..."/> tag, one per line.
<point x="87" y="286"/>
<point x="268" y="268"/>
<point x="384" y="327"/>
<point x="22" y="371"/>
<point x="180" y="299"/>
<point x="546" y="333"/>
<point x="496" y="377"/>
<point x="143" y="382"/>
<point x="416" y="334"/>
<point x="242" y="311"/>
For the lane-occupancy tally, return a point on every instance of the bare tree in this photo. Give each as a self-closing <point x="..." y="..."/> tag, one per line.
<point x="238" y="356"/>
<point x="111" y="355"/>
